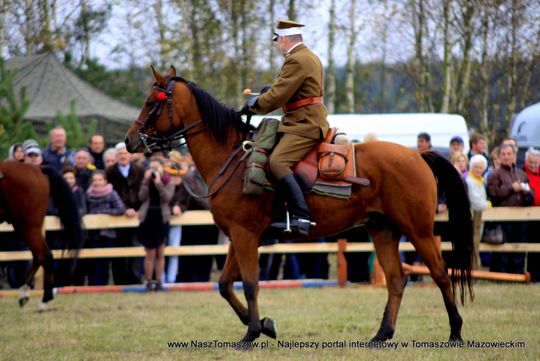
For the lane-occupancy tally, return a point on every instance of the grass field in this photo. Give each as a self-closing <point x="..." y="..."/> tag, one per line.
<point x="139" y="326"/>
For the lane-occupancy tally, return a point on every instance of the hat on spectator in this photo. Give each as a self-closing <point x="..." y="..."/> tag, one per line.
<point x="30" y="146"/>
<point x="457" y="139"/>
<point x="120" y="145"/>
<point x="175" y="171"/>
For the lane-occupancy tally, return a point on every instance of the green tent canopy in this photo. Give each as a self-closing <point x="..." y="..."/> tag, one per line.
<point x="51" y="87"/>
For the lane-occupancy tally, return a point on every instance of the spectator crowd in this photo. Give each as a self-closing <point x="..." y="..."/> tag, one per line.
<point x="155" y="187"/>
<point x="499" y="179"/>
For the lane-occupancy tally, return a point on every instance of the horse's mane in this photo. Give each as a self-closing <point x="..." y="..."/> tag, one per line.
<point x="216" y="116"/>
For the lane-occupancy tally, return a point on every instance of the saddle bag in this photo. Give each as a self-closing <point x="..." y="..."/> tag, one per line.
<point x="255" y="174"/>
<point x="332" y="160"/>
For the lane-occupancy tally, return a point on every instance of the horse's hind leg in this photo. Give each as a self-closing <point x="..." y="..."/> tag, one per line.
<point x="41" y="257"/>
<point x="428" y="250"/>
<point x="230" y="273"/>
<point x="24" y="296"/>
<point x="386" y="242"/>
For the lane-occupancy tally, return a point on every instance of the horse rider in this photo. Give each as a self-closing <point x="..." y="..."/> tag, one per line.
<point x="299" y="91"/>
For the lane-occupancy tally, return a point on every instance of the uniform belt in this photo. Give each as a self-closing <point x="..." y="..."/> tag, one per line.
<point x="302" y="103"/>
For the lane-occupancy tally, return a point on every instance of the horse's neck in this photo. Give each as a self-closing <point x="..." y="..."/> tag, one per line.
<point x="208" y="155"/>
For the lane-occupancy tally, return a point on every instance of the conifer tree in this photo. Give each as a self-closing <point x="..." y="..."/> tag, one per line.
<point x="13" y="127"/>
<point x="78" y="135"/>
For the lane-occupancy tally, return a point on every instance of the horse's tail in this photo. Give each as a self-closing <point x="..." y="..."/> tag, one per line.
<point x="68" y="211"/>
<point x="460" y="224"/>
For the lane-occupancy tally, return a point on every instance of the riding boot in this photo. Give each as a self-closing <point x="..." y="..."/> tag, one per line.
<point x="300" y="220"/>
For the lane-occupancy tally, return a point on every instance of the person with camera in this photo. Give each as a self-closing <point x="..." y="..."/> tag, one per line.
<point x="508" y="186"/>
<point x="154" y="214"/>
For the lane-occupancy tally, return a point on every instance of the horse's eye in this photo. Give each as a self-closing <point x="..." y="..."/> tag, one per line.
<point x="149" y="104"/>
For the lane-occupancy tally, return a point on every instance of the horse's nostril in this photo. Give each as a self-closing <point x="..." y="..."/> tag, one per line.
<point x="126" y="141"/>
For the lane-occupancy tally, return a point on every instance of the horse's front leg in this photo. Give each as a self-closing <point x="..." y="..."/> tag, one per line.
<point x="245" y="247"/>
<point x="231" y="272"/>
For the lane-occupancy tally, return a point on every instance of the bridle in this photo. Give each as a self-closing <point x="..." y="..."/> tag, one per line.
<point x="167" y="142"/>
<point x="170" y="139"/>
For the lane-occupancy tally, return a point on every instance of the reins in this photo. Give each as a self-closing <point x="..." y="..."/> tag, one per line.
<point x="166" y="142"/>
<point x="222" y="170"/>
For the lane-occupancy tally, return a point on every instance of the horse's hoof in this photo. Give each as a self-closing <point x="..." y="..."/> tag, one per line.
<point x="244" y="346"/>
<point x="42" y="306"/>
<point x="380" y="338"/>
<point x="23" y="300"/>
<point x="269" y="327"/>
<point x="456" y="339"/>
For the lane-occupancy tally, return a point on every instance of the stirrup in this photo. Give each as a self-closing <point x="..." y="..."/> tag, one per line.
<point x="297" y="225"/>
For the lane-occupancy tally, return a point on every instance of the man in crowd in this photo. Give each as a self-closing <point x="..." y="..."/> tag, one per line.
<point x="32" y="152"/>
<point x="57" y="154"/>
<point x="456" y="146"/>
<point x="84" y="167"/>
<point x="423" y="142"/>
<point x="126" y="178"/>
<point x="508" y="187"/>
<point x="96" y="149"/>
<point x="478" y="144"/>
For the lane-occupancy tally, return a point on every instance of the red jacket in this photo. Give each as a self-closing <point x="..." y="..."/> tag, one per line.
<point x="535" y="184"/>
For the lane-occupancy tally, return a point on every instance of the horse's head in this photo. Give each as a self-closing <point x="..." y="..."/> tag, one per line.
<point x="163" y="116"/>
<point x="176" y="108"/>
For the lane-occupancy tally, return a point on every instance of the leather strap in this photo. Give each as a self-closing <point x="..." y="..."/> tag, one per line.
<point x="302" y="103"/>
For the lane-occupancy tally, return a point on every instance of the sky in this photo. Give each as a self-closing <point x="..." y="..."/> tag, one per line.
<point x="315" y="36"/>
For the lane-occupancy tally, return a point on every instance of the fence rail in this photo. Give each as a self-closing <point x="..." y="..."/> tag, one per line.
<point x="200" y="218"/>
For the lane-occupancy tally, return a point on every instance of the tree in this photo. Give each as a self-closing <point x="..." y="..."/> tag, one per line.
<point x="464" y="70"/>
<point x="78" y="136"/>
<point x="351" y="59"/>
<point x="13" y="127"/>
<point x="331" y="71"/>
<point x="446" y="63"/>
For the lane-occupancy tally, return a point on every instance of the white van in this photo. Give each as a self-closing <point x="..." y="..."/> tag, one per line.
<point x="401" y="128"/>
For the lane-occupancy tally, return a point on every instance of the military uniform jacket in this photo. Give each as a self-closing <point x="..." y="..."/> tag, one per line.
<point x="301" y="77"/>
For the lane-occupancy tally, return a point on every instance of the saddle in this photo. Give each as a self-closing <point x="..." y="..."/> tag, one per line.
<point x="329" y="163"/>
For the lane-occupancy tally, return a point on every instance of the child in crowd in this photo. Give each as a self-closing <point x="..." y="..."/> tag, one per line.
<point x="154" y="214"/>
<point x="101" y="198"/>
<point x="69" y="174"/>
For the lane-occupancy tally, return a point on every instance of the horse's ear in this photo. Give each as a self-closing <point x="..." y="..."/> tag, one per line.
<point x="159" y="78"/>
<point x="172" y="72"/>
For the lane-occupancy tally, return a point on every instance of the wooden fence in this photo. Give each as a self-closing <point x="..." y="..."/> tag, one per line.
<point x="199" y="218"/>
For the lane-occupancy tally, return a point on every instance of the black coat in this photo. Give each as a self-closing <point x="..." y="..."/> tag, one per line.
<point x="127" y="188"/>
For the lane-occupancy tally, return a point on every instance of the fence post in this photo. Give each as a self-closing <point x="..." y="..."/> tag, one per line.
<point x="342" y="262"/>
<point x="477" y="226"/>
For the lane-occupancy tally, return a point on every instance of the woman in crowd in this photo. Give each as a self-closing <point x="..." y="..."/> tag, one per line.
<point x="175" y="171"/>
<point x="459" y="160"/>
<point x="155" y="193"/>
<point x="16" y="152"/>
<point x="476" y="184"/>
<point x="101" y="198"/>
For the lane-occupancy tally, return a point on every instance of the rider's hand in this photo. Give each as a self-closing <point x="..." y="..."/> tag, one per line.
<point x="265" y="88"/>
<point x="251" y="102"/>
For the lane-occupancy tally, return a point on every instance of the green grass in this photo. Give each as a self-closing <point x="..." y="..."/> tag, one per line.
<point x="138" y="326"/>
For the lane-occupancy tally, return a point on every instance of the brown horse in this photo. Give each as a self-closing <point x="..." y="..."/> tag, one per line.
<point x="24" y="196"/>
<point x="400" y="200"/>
